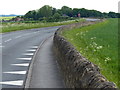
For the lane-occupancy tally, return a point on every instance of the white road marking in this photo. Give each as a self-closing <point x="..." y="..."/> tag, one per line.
<point x="23" y="64"/>
<point x="18" y="36"/>
<point x="24" y="58"/>
<point x="16" y="83"/>
<point x="32" y="50"/>
<point x="8" y="40"/>
<point x="28" y="54"/>
<point x="34" y="47"/>
<point x="16" y="72"/>
<point x="2" y="46"/>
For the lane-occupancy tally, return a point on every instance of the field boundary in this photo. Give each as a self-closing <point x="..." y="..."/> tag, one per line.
<point x="78" y="72"/>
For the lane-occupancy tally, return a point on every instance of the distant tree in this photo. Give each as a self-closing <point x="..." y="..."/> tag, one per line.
<point x="54" y="10"/>
<point x="56" y="16"/>
<point x="28" y="15"/>
<point x="75" y="12"/>
<point x="112" y="14"/>
<point x="105" y="15"/>
<point x="66" y="10"/>
<point x="118" y="15"/>
<point x="45" y="11"/>
<point x="31" y="14"/>
<point x="59" y="11"/>
<point x="84" y="12"/>
<point x="94" y="13"/>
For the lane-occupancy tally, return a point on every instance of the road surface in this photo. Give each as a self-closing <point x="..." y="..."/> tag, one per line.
<point x="17" y="50"/>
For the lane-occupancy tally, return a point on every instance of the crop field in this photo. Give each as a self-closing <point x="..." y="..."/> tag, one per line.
<point x="14" y="26"/>
<point x="6" y="18"/>
<point x="99" y="44"/>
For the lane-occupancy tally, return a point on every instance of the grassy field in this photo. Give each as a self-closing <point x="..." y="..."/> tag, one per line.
<point x="14" y="26"/>
<point x="6" y="18"/>
<point x="99" y="44"/>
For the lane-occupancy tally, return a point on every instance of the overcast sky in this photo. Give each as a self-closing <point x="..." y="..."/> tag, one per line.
<point x="22" y="6"/>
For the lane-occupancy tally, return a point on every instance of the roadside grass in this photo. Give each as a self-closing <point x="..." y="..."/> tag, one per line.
<point x="99" y="44"/>
<point x="6" y="18"/>
<point x="14" y="26"/>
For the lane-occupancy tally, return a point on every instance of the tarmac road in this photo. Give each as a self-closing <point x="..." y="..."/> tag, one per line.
<point x="17" y="50"/>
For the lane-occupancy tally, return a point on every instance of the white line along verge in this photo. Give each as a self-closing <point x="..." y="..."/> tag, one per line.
<point x="23" y="64"/>
<point x="32" y="50"/>
<point x="28" y="54"/>
<point x="8" y="40"/>
<point x="24" y="58"/>
<point x="16" y="72"/>
<point x="16" y="83"/>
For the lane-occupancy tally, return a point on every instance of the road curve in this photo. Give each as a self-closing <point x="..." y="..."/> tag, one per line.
<point x="17" y="51"/>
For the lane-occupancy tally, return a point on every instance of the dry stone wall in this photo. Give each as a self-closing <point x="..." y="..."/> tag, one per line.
<point x="78" y="72"/>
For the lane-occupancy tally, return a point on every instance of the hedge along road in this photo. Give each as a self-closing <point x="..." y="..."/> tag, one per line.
<point x="18" y="49"/>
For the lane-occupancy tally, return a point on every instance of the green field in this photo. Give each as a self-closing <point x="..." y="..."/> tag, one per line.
<point x="6" y="18"/>
<point x="99" y="44"/>
<point x="14" y="26"/>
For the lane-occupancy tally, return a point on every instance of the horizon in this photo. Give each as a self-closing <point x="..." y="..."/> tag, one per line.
<point x="20" y="8"/>
<point x="56" y="8"/>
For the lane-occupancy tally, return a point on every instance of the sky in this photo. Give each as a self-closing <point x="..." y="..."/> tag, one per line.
<point x="20" y="7"/>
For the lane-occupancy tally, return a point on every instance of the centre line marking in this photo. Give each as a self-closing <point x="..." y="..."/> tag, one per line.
<point x="8" y="40"/>
<point x="18" y="36"/>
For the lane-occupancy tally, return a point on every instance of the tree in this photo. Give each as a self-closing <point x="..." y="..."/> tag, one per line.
<point x="75" y="12"/>
<point x="66" y="10"/>
<point x="28" y="14"/>
<point x="56" y="16"/>
<point x="45" y="11"/>
<point x="31" y="14"/>
<point x="54" y="10"/>
<point x="112" y="15"/>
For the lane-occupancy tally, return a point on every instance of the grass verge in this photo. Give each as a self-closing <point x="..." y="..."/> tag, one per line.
<point x="14" y="26"/>
<point x="99" y="44"/>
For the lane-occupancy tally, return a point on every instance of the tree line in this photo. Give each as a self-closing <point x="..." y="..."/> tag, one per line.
<point x="50" y="14"/>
